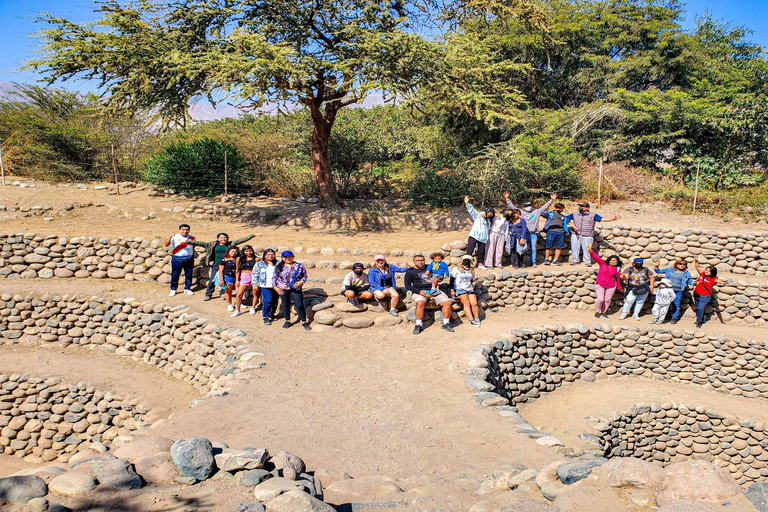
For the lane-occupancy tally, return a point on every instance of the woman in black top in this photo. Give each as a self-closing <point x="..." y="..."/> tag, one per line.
<point x="228" y="274"/>
<point x="245" y="279"/>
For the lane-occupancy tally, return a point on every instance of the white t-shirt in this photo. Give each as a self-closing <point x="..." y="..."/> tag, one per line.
<point x="464" y="280"/>
<point x="185" y="253"/>
<point x="499" y="224"/>
<point x="270" y="275"/>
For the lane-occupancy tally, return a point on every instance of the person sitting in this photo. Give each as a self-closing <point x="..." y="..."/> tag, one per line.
<point x="439" y="272"/>
<point x="665" y="296"/>
<point x="681" y="279"/>
<point x="419" y="284"/>
<point x="383" y="281"/>
<point x="463" y="287"/>
<point x="356" y="286"/>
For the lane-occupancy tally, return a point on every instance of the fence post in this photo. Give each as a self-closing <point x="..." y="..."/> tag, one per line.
<point x="114" y="169"/>
<point x="599" y="182"/>
<point x="225" y="174"/>
<point x="696" y="190"/>
<point x="2" y="166"/>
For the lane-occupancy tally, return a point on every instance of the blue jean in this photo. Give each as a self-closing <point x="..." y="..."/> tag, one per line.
<point x="701" y="305"/>
<point x="675" y="306"/>
<point x="638" y="300"/>
<point x="177" y="265"/>
<point x="268" y="302"/>
<point x="295" y="296"/>
<point x="533" y="241"/>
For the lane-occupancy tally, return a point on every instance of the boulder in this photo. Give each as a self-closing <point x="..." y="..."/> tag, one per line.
<point x="147" y="445"/>
<point x="357" y="322"/>
<point x="290" y="465"/>
<point x="630" y="472"/>
<point x="156" y="468"/>
<point x="580" y="499"/>
<point x="254" y="477"/>
<point x="572" y="472"/>
<point x="696" y="480"/>
<point x="21" y="489"/>
<point x="72" y="484"/>
<point x="297" y="501"/>
<point x="346" y="307"/>
<point x="274" y="487"/>
<point x="116" y="473"/>
<point x="758" y="495"/>
<point x="235" y="460"/>
<point x="367" y="489"/>
<point x="387" y="321"/>
<point x="326" y="317"/>
<point x="250" y="506"/>
<point x="193" y="457"/>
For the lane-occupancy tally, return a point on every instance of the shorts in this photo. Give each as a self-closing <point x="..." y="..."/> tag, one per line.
<point x="459" y="293"/>
<point x="357" y="289"/>
<point x="230" y="280"/>
<point x="246" y="279"/>
<point x="555" y="239"/>
<point x="438" y="299"/>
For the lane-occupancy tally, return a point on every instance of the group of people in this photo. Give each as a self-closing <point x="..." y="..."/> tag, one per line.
<point x="234" y="271"/>
<point x="516" y="232"/>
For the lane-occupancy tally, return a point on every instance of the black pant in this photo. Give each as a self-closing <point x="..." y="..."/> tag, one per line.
<point x="471" y="243"/>
<point x="516" y="258"/>
<point x="297" y="297"/>
<point x="209" y="288"/>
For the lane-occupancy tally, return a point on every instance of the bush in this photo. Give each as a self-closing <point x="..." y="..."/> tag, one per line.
<point x="438" y="190"/>
<point x="197" y="167"/>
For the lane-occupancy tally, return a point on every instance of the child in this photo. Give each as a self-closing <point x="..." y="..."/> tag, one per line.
<point x="665" y="296"/>
<point x="248" y="262"/>
<point x="228" y="274"/>
<point x="462" y="282"/>
<point x="438" y="271"/>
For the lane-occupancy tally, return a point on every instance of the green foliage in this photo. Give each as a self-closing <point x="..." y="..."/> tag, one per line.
<point x="438" y="190"/>
<point x="197" y="167"/>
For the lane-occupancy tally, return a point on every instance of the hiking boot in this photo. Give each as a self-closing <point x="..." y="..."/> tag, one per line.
<point x="418" y="329"/>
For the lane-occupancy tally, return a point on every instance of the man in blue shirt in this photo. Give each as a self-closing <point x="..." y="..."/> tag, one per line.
<point x="681" y="280"/>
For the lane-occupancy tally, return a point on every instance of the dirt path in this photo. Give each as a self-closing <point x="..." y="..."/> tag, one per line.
<point x="563" y="412"/>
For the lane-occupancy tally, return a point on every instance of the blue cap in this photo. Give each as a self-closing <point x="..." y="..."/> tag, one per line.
<point x="286" y="254"/>
<point x="636" y="260"/>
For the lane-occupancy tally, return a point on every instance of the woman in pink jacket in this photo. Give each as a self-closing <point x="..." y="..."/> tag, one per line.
<point x="608" y="281"/>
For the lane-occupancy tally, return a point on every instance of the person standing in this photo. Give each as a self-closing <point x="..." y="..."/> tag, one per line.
<point x="478" y="235"/>
<point x="228" y="274"/>
<point x="583" y="232"/>
<point x="531" y="218"/>
<point x="420" y="284"/>
<point x="608" y="282"/>
<point x="182" y="258"/>
<point x="705" y="289"/>
<point x="681" y="279"/>
<point x="214" y="253"/>
<point x="290" y="277"/>
<point x="248" y="260"/>
<point x="497" y="236"/>
<point x="556" y="229"/>
<point x="264" y="279"/>
<point x="518" y="234"/>
<point x="640" y="283"/>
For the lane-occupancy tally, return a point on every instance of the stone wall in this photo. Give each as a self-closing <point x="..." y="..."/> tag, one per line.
<point x="738" y="301"/>
<point x="186" y="347"/>
<point x="534" y="361"/>
<point x="670" y="433"/>
<point x="50" y="420"/>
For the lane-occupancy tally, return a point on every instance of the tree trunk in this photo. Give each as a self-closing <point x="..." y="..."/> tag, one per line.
<point x="321" y="133"/>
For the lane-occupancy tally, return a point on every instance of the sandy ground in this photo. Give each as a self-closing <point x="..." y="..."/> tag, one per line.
<point x="565" y="412"/>
<point x="374" y="401"/>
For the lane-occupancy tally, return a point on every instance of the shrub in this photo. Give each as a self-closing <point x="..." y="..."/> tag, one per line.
<point x="438" y="190"/>
<point x="197" y="167"/>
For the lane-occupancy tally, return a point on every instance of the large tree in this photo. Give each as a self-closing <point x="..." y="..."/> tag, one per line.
<point x="322" y="54"/>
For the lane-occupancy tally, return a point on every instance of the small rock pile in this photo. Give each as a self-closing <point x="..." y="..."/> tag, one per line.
<point x="44" y="420"/>
<point x="669" y="432"/>
<point x="185" y="346"/>
<point x="279" y="482"/>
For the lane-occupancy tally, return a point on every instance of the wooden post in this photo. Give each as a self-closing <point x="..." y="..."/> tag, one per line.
<point x="2" y="166"/>
<point x="114" y="169"/>
<point x="225" y="174"/>
<point x="696" y="190"/>
<point x="599" y="182"/>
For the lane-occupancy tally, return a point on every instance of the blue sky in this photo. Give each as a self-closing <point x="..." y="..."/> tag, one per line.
<point x="18" y="44"/>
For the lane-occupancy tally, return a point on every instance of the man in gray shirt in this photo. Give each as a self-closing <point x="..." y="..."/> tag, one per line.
<point x="531" y="218"/>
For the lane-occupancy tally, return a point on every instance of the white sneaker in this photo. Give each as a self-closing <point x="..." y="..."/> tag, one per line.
<point x="230" y="308"/>
<point x="636" y="317"/>
<point x="172" y="294"/>
<point x="252" y="311"/>
<point x="189" y="292"/>
<point x="622" y="316"/>
<point x="235" y="314"/>
<point x="482" y="267"/>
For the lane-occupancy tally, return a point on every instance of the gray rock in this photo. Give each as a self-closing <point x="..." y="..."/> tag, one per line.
<point x="117" y="473"/>
<point x="297" y="501"/>
<point x="758" y="495"/>
<point x="250" y="506"/>
<point x="21" y="489"/>
<point x="254" y="477"/>
<point x="241" y="459"/>
<point x="193" y="457"/>
<point x="274" y="487"/>
<point x="291" y="465"/>
<point x="572" y="472"/>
